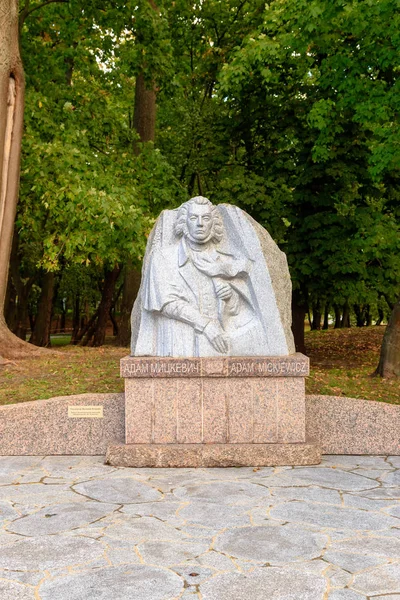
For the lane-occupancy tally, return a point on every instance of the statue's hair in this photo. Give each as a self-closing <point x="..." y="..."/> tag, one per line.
<point x="181" y="225"/>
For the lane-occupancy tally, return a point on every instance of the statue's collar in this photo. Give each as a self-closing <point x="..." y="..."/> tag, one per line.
<point x="183" y="252"/>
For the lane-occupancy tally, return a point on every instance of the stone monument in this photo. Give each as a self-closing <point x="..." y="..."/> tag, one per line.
<point x="213" y="378"/>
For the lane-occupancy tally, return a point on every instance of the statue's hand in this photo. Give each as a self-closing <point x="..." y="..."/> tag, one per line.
<point x="223" y="290"/>
<point x="215" y="335"/>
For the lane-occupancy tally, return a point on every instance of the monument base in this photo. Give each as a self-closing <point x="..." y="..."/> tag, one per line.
<point x="213" y="455"/>
<point x="214" y="412"/>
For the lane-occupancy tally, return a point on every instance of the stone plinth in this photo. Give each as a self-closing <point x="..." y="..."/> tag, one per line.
<point x="216" y="401"/>
<point x="212" y="455"/>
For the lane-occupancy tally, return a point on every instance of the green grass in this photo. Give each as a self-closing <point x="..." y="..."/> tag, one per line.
<point x="341" y="364"/>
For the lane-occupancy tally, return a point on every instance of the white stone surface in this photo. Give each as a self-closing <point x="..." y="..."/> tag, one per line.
<point x="226" y="534"/>
<point x="213" y="283"/>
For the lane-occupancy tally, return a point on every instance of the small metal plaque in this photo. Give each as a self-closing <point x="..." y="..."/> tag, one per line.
<point x="85" y="412"/>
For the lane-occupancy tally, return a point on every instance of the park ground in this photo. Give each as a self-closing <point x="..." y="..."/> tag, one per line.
<point x="342" y="362"/>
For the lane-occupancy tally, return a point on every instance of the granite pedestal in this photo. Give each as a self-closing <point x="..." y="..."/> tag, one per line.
<point x="214" y="412"/>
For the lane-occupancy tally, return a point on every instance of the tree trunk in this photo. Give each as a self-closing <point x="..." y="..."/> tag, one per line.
<point x="381" y="316"/>
<point x="41" y="332"/>
<point x="360" y="315"/>
<point x="316" y="317"/>
<point x="389" y="362"/>
<point x="11" y="124"/>
<point x="144" y="116"/>
<point x="75" y="320"/>
<point x="338" y="316"/>
<point x="326" y="317"/>
<point x="129" y="293"/>
<point x="110" y="281"/>
<point x="298" y="316"/>
<point x="345" y="322"/>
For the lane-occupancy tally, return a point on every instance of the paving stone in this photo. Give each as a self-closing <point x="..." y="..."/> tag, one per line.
<point x="353" y="501"/>
<point x="392" y="479"/>
<point x="338" y="578"/>
<point x="281" y="584"/>
<point x="119" y="583"/>
<point x="331" y="516"/>
<point x="217" y="561"/>
<point x="384" y="547"/>
<point x="18" y="464"/>
<point x="334" y="478"/>
<point x="215" y="515"/>
<point x="375" y="474"/>
<point x="48" y="552"/>
<point x="26" y="577"/>
<point x="391" y="597"/>
<point x="234" y="493"/>
<point x="165" y="510"/>
<point x="353" y="461"/>
<point x="61" y="517"/>
<point x="313" y="566"/>
<point x="352" y="562"/>
<point x="394" y="511"/>
<point x="310" y="494"/>
<point x="381" y="493"/>
<point x="382" y="580"/>
<point x="346" y="595"/>
<point x="272" y="545"/>
<point x="15" y="591"/>
<point x="7" y="512"/>
<point x="122" y="556"/>
<point x="38" y="494"/>
<point x="144" y="529"/>
<point x="120" y="491"/>
<point x="395" y="461"/>
<point x="194" y="575"/>
<point x="167" y="554"/>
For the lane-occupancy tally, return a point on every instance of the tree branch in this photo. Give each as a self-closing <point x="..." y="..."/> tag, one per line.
<point x="26" y="11"/>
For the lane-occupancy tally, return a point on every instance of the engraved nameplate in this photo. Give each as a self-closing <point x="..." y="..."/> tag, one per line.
<point x="295" y="365"/>
<point x="85" y="412"/>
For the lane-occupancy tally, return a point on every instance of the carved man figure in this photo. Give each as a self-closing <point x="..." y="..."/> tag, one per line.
<point x="197" y="292"/>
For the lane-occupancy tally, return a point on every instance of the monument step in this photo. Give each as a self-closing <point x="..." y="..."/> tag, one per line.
<point x="213" y="455"/>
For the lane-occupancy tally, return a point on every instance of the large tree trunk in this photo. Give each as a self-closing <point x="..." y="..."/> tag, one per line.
<point x="298" y="316"/>
<point x="144" y="121"/>
<point x="11" y="124"/>
<point x="110" y="281"/>
<point x="94" y="333"/>
<point x="389" y="362"/>
<point x="41" y="332"/>
<point x="129" y="293"/>
<point x="144" y="115"/>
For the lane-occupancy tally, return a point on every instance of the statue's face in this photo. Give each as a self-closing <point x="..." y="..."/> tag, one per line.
<point x="199" y="222"/>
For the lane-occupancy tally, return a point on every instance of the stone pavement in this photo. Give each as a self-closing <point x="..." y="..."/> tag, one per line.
<point x="73" y="528"/>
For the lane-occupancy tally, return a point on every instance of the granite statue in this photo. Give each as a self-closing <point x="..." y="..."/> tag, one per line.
<point x="207" y="289"/>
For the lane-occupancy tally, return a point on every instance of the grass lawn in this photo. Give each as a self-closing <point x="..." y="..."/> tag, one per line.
<point x="341" y="364"/>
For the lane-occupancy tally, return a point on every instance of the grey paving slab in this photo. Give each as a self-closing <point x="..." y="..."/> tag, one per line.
<point x="384" y="547"/>
<point x="352" y="562"/>
<point x="214" y="515"/>
<point x="345" y="595"/>
<point x="332" y="516"/>
<point x="118" y="583"/>
<point x="61" y="517"/>
<point x="334" y="478"/>
<point x="71" y="527"/>
<point x="123" y="490"/>
<point x="280" y="584"/>
<point x="49" y="552"/>
<point x="236" y="492"/>
<point x="382" y="580"/>
<point x="15" y="591"/>
<point x="272" y="545"/>
<point x="168" y="554"/>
